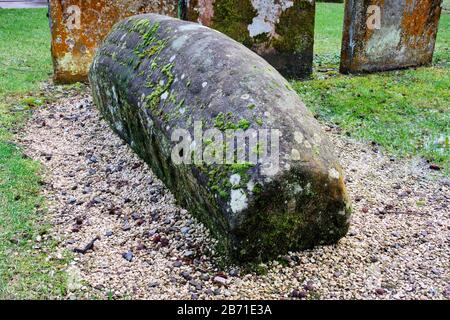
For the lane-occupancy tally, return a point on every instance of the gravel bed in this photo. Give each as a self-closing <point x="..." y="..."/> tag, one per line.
<point x="145" y="247"/>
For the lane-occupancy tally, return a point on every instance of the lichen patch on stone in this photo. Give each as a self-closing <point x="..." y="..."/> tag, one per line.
<point x="238" y="201"/>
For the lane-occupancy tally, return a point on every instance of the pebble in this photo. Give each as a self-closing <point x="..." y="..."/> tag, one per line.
<point x="234" y="272"/>
<point x="189" y="254"/>
<point x="298" y="294"/>
<point x="435" y="167"/>
<point x="186" y="275"/>
<point x="128" y="256"/>
<point x="380" y="291"/>
<point x="136" y="216"/>
<point x="71" y="200"/>
<point x="220" y="281"/>
<point x="164" y="242"/>
<point x="309" y="286"/>
<point x="126" y="226"/>
<point x="204" y="277"/>
<point x="194" y="296"/>
<point x="196" y="284"/>
<point x="185" y="230"/>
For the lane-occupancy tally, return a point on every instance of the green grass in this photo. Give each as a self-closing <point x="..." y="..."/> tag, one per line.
<point x="25" y="58"/>
<point x="405" y="112"/>
<point x="328" y="33"/>
<point x="25" y="270"/>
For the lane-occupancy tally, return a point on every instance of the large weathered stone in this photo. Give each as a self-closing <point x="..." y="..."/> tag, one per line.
<point x="281" y="31"/>
<point x="388" y="34"/>
<point x="155" y="75"/>
<point x="78" y="27"/>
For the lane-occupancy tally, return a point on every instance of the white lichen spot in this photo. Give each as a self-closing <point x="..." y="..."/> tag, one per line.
<point x="238" y="201"/>
<point x="172" y="58"/>
<point x="268" y="16"/>
<point x="317" y="138"/>
<point x="295" y="155"/>
<point x="298" y="136"/>
<point x="180" y="42"/>
<point x="204" y="84"/>
<point x="235" y="180"/>
<point x="165" y="95"/>
<point x="297" y="189"/>
<point x="118" y="125"/>
<point x="308" y="188"/>
<point x="334" y="174"/>
<point x="183" y="76"/>
<point x="250" y="186"/>
<point x="190" y="27"/>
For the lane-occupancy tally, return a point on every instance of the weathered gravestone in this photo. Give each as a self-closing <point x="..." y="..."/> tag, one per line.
<point x="225" y="132"/>
<point x="281" y="31"/>
<point x="78" y="27"/>
<point x="388" y="34"/>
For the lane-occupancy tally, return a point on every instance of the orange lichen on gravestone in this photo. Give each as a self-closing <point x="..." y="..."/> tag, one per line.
<point x="404" y="36"/>
<point x="79" y="26"/>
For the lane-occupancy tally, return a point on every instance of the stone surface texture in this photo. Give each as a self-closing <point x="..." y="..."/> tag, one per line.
<point x="155" y="74"/>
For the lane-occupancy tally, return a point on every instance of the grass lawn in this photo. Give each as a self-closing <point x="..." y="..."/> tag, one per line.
<point x="25" y="271"/>
<point x="403" y="111"/>
<point x="406" y="112"/>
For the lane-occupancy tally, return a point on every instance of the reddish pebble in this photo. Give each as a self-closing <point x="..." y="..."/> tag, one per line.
<point x="435" y="167"/>
<point x="380" y="291"/>
<point x="164" y="242"/>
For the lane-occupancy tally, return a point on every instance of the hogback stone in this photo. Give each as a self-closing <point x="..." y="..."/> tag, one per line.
<point x="155" y="75"/>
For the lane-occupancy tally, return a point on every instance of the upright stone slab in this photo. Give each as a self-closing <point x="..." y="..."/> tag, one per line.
<point x="78" y="27"/>
<point x="179" y="93"/>
<point x="281" y="31"/>
<point x="388" y="34"/>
